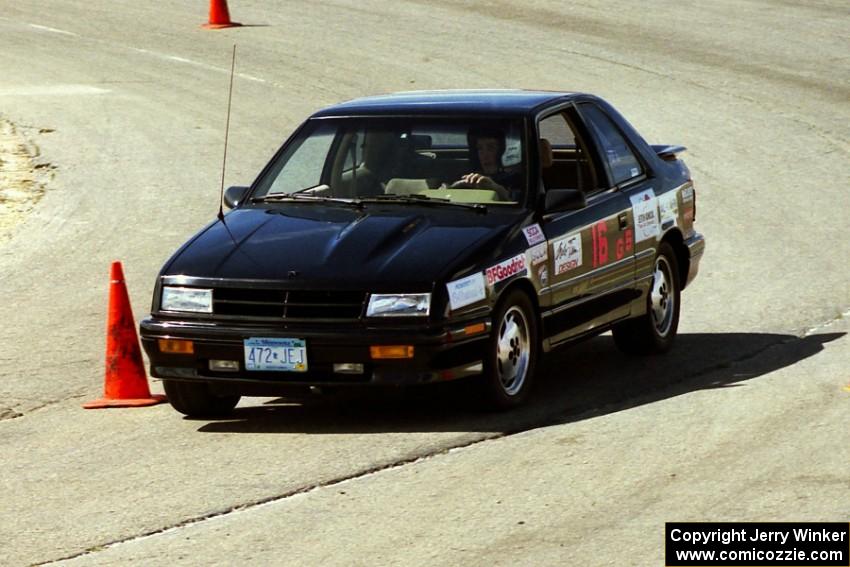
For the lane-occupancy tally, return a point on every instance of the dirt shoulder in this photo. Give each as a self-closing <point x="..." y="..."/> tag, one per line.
<point x="22" y="177"/>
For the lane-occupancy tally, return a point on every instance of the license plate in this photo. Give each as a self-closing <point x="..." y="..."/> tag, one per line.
<point x="286" y="355"/>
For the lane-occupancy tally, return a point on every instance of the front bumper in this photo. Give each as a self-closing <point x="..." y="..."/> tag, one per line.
<point x="439" y="354"/>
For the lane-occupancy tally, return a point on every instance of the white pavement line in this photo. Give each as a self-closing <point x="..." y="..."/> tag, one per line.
<point x="195" y="64"/>
<point x="164" y="56"/>
<point x="52" y="90"/>
<point x="53" y="30"/>
<point x="250" y="506"/>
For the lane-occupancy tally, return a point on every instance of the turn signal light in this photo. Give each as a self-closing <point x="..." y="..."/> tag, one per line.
<point x="391" y="351"/>
<point x="175" y="346"/>
<point x="474" y="329"/>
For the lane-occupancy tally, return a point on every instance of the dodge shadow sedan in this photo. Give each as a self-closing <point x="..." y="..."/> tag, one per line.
<point x="429" y="236"/>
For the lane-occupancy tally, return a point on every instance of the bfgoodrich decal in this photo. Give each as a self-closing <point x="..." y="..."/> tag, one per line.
<point x="506" y="269"/>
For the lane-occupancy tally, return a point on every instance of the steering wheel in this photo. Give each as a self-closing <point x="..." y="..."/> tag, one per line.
<point x="461" y="184"/>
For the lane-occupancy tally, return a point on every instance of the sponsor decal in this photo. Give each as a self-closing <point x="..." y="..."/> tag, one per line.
<point x="466" y="291"/>
<point x="688" y="203"/>
<point x="668" y="207"/>
<point x="538" y="254"/>
<point x="645" y="209"/>
<point x="506" y="269"/>
<point x="533" y="234"/>
<point x="625" y="243"/>
<point x="600" y="242"/>
<point x="543" y="275"/>
<point x="567" y="253"/>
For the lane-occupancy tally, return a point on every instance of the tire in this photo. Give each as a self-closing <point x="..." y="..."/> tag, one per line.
<point x="195" y="399"/>
<point x="512" y="353"/>
<point x="655" y="331"/>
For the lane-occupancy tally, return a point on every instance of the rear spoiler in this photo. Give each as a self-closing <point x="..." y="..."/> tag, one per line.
<point x="668" y="153"/>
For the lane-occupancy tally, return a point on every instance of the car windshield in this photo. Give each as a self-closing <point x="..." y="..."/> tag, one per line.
<point x="455" y="160"/>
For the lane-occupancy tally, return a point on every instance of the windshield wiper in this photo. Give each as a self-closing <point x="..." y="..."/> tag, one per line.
<point x="358" y="203"/>
<point x="423" y="200"/>
<point x="301" y="197"/>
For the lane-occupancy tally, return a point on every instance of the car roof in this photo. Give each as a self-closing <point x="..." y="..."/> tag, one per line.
<point x="448" y="102"/>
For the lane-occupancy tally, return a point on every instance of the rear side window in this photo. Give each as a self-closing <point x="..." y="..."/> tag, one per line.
<point x="555" y="129"/>
<point x="614" y="149"/>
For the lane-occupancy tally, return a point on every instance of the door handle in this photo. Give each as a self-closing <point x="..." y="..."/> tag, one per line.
<point x="623" y="220"/>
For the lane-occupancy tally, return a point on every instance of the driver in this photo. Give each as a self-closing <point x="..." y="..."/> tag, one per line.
<point x="487" y="145"/>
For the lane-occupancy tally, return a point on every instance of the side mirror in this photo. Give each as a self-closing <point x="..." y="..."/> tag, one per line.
<point x="564" y="200"/>
<point x="234" y="195"/>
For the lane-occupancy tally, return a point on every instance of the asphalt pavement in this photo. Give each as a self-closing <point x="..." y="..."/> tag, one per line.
<point x="123" y="105"/>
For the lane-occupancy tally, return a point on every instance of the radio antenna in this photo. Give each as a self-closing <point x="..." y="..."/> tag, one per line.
<point x="226" y="133"/>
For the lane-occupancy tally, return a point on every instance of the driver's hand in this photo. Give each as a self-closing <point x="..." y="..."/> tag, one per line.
<point x="483" y="182"/>
<point x="478" y="180"/>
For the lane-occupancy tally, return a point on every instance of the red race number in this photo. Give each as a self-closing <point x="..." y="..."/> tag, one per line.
<point x="600" y="243"/>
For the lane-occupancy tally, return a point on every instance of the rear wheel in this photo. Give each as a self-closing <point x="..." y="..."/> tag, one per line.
<point x="655" y="331"/>
<point x="195" y="399"/>
<point x="512" y="353"/>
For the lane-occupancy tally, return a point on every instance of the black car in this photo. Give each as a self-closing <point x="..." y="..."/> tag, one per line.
<point x="429" y="236"/>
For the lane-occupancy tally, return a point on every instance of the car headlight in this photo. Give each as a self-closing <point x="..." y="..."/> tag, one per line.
<point x="399" y="305"/>
<point x="189" y="299"/>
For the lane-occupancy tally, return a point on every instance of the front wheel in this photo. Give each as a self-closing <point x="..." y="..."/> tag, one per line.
<point x="195" y="399"/>
<point x="654" y="332"/>
<point x="511" y="354"/>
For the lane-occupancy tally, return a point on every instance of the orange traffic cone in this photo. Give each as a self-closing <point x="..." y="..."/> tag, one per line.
<point x="126" y="381"/>
<point x="219" y="16"/>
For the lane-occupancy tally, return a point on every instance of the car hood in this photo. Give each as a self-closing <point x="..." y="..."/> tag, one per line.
<point x="384" y="249"/>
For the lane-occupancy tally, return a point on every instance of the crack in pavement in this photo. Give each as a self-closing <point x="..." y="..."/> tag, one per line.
<point x="9" y="413"/>
<point x="16" y="411"/>
<point x="47" y="365"/>
<point x="276" y="498"/>
<point x="559" y="418"/>
<point x="809" y="331"/>
<point x="13" y="413"/>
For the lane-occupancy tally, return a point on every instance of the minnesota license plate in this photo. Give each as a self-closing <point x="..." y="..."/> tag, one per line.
<point x="286" y="355"/>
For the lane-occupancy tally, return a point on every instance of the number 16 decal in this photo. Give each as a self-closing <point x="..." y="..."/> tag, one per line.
<point x="600" y="243"/>
<point x="625" y="243"/>
<point x="599" y="238"/>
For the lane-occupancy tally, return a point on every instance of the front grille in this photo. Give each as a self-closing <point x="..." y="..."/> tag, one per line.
<point x="290" y="305"/>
